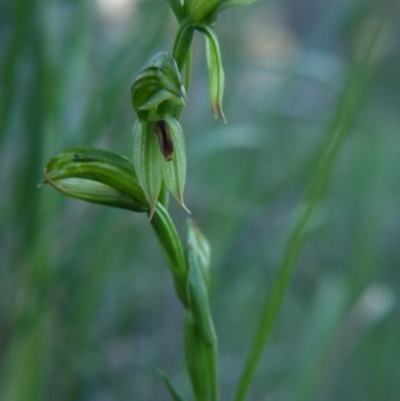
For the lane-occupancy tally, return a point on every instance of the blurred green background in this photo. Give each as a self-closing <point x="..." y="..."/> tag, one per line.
<point x="87" y="307"/>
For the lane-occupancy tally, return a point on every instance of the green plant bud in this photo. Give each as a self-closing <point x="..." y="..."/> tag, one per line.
<point x="216" y="77"/>
<point x="147" y="160"/>
<point x="198" y="247"/>
<point x="158" y="82"/>
<point x="206" y="11"/>
<point x="97" y="176"/>
<point x="196" y="359"/>
<point x="198" y="301"/>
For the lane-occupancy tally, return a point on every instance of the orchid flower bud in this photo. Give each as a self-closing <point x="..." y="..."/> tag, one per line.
<point x="206" y="11"/>
<point x="159" y="82"/>
<point x="198" y="246"/>
<point x="97" y="176"/>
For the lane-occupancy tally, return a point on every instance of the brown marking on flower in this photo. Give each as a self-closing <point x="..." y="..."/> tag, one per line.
<point x="165" y="142"/>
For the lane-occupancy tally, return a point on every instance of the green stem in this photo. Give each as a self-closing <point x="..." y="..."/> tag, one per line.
<point x="212" y="350"/>
<point x="344" y="117"/>
<point x="182" y="44"/>
<point x="188" y="70"/>
<point x="172" y="248"/>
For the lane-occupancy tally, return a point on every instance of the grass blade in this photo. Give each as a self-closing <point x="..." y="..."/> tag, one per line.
<point x="346" y="112"/>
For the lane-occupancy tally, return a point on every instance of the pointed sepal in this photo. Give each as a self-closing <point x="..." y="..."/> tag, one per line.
<point x="173" y="164"/>
<point x="147" y="159"/>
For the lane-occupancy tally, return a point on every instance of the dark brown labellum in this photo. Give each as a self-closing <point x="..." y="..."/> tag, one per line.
<point x="165" y="142"/>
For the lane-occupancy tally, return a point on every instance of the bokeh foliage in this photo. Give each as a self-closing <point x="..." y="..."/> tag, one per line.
<point x="86" y="302"/>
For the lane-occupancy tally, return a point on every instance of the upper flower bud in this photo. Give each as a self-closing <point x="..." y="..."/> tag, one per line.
<point x="158" y="83"/>
<point x="216" y="76"/>
<point x="207" y="10"/>
<point x="97" y="176"/>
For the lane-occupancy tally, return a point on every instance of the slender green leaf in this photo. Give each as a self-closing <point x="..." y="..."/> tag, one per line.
<point x="345" y="115"/>
<point x="171" y="388"/>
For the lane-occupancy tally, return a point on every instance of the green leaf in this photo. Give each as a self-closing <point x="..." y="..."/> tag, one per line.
<point x="97" y="176"/>
<point x="173" y="171"/>
<point x="171" y="388"/>
<point x="216" y="76"/>
<point x="147" y="158"/>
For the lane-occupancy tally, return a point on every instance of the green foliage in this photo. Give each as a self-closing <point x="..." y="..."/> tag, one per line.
<point x="86" y="306"/>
